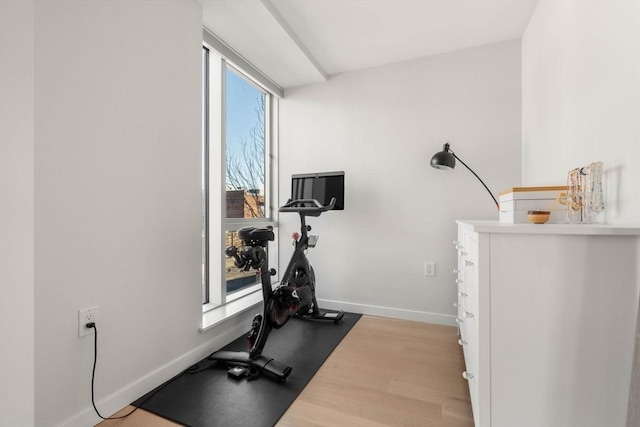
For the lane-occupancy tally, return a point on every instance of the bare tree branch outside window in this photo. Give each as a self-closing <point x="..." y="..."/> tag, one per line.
<point x="246" y="165"/>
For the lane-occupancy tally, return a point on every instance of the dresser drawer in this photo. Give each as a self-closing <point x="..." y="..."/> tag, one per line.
<point x="472" y="371"/>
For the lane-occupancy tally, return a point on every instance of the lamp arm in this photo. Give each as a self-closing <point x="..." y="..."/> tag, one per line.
<point x="476" y="175"/>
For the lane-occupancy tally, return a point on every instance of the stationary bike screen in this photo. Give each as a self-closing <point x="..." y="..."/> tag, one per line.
<point x="319" y="186"/>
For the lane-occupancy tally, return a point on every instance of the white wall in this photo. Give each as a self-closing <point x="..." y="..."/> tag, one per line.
<point x="116" y="172"/>
<point x="101" y="205"/>
<point x="381" y="126"/>
<point x="581" y="98"/>
<point x="16" y="214"/>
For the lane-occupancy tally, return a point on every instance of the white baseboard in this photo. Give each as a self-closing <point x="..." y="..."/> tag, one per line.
<point x="230" y="331"/>
<point x="139" y="387"/>
<point x="394" y="313"/>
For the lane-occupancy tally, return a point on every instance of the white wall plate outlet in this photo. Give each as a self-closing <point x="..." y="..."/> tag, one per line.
<point x="87" y="315"/>
<point x="429" y="268"/>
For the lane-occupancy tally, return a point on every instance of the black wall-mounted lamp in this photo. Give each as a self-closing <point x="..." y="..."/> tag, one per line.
<point x="446" y="160"/>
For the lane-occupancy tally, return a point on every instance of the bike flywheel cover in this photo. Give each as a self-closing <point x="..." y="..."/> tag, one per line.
<point x="277" y="316"/>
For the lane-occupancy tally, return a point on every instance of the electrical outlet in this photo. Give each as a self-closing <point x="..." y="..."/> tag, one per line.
<point x="429" y="268"/>
<point x="85" y="316"/>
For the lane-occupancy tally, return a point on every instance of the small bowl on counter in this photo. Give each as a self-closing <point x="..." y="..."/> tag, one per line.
<point x="538" y="217"/>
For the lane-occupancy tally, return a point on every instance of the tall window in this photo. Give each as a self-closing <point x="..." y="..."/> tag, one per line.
<point x="238" y="140"/>
<point x="246" y="165"/>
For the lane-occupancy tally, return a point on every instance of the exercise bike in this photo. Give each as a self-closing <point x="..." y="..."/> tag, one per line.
<point x="299" y="274"/>
<point x="278" y="306"/>
<point x="294" y="297"/>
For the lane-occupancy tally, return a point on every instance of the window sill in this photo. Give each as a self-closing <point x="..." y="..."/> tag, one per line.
<point x="236" y="295"/>
<point x="219" y="314"/>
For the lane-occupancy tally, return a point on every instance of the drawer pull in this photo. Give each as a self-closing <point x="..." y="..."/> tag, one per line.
<point x="456" y="304"/>
<point x="456" y="271"/>
<point x="456" y="243"/>
<point x="459" y="320"/>
<point x="463" y="253"/>
<point x="468" y="263"/>
<point x="467" y="376"/>
<point x="458" y="281"/>
<point x="468" y="314"/>
<point x="462" y="342"/>
<point x="462" y="294"/>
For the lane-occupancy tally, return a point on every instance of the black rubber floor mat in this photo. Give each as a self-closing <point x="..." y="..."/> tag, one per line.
<point x="208" y="397"/>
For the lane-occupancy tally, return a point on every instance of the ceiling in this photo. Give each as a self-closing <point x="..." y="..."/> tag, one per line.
<point x="298" y="42"/>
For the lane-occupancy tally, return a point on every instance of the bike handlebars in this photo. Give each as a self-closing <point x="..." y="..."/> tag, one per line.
<point x="299" y="205"/>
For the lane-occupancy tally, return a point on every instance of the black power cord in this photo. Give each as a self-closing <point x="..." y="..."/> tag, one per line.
<point x="192" y="370"/>
<point x="93" y="376"/>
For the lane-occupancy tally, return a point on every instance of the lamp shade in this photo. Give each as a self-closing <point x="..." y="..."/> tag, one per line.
<point x="443" y="159"/>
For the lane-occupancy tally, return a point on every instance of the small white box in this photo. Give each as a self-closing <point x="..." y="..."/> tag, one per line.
<point x="515" y="203"/>
<point x="532" y="193"/>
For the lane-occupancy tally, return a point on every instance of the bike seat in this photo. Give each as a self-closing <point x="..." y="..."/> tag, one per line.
<point x="256" y="234"/>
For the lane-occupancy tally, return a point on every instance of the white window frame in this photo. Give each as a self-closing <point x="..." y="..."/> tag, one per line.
<point x="218" y="224"/>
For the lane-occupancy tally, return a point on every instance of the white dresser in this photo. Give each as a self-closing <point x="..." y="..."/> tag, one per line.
<point x="547" y="317"/>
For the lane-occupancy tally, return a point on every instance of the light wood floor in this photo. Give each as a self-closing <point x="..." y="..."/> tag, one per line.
<point x="386" y="372"/>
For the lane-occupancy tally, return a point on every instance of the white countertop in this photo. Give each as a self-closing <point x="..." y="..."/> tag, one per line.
<point x="488" y="226"/>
